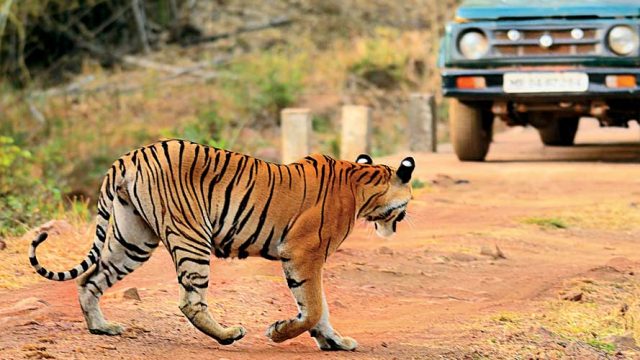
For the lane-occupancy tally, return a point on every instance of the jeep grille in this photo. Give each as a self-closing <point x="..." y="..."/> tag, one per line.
<point x="563" y="43"/>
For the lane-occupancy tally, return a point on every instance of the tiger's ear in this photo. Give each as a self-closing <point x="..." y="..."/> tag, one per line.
<point x="364" y="159"/>
<point x="406" y="169"/>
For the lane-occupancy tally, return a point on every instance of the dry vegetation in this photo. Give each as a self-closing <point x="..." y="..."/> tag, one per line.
<point x="595" y="316"/>
<point x="68" y="122"/>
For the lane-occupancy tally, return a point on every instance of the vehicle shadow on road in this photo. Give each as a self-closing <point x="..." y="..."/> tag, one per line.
<point x="593" y="144"/>
<point x="619" y="152"/>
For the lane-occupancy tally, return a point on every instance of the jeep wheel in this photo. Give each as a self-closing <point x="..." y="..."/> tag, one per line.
<point x="560" y="131"/>
<point x="471" y="130"/>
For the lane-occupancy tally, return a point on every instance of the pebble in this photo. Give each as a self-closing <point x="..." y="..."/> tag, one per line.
<point x="573" y="296"/>
<point x="126" y="294"/>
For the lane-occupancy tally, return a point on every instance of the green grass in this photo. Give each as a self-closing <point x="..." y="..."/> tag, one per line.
<point x="547" y="222"/>
<point x="601" y="345"/>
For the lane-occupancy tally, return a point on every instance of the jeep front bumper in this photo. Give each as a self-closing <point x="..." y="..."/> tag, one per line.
<point x="488" y="84"/>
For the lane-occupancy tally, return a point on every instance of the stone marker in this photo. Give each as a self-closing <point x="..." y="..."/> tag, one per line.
<point x="356" y="132"/>
<point x="422" y="123"/>
<point x="296" y="134"/>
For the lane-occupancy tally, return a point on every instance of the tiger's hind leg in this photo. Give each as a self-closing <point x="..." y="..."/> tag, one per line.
<point x="129" y="244"/>
<point x="193" y="278"/>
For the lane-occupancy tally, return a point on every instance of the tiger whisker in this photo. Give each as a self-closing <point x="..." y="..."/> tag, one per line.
<point x="410" y="222"/>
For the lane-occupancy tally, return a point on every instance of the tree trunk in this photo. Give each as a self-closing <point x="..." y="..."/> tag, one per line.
<point x="138" y="12"/>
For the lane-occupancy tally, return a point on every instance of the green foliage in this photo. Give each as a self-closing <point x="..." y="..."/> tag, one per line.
<point x="334" y="145"/>
<point x="24" y="199"/>
<point x="10" y="154"/>
<point x="381" y="63"/>
<point x="321" y="124"/>
<point x="208" y="128"/>
<point x="418" y="184"/>
<point x="50" y="157"/>
<point x="276" y="92"/>
<point x="264" y="84"/>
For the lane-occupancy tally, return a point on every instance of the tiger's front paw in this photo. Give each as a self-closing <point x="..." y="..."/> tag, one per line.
<point x="274" y="333"/>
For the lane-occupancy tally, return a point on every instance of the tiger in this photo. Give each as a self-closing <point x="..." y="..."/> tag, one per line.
<point x="197" y="200"/>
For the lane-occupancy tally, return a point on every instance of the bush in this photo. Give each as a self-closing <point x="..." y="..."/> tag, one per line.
<point x="209" y="128"/>
<point x="265" y="84"/>
<point x="381" y="63"/>
<point x="24" y="199"/>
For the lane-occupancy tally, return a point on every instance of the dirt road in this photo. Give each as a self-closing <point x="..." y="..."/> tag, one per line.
<point x="566" y="219"/>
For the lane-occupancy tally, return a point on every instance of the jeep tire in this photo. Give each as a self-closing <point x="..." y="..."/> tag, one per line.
<point x="471" y="130"/>
<point x="560" y="131"/>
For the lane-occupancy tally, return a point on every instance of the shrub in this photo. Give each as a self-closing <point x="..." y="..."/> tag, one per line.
<point x="209" y="128"/>
<point x="381" y="62"/>
<point x="24" y="199"/>
<point x="264" y="84"/>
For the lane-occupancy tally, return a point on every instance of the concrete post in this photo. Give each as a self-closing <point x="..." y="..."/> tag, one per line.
<point x="422" y="123"/>
<point x="356" y="131"/>
<point x="296" y="134"/>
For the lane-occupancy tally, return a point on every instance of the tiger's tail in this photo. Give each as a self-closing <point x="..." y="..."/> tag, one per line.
<point x="111" y="182"/>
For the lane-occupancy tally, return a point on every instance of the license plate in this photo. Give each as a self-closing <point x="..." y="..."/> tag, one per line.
<point x="540" y="82"/>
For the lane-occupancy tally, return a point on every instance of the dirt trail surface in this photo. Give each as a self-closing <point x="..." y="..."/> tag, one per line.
<point x="438" y="289"/>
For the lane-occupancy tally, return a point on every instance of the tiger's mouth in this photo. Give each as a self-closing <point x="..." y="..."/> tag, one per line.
<point x="387" y="214"/>
<point x="387" y="226"/>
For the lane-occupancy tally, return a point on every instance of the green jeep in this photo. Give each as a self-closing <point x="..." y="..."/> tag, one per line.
<point x="545" y="63"/>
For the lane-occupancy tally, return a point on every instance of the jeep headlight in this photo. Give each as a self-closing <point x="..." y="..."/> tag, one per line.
<point x="623" y="40"/>
<point x="473" y="44"/>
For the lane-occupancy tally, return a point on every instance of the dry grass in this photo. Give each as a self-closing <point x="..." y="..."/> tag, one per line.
<point x="612" y="215"/>
<point x="609" y="308"/>
<point x="60" y="251"/>
<point x="606" y="216"/>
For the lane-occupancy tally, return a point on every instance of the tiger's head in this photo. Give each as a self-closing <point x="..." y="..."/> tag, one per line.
<point x="387" y="200"/>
